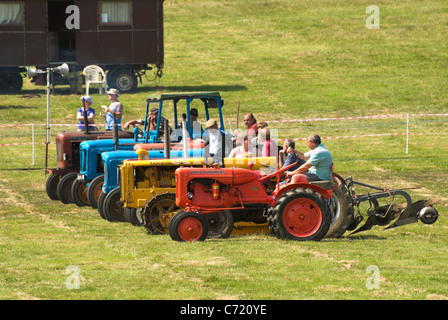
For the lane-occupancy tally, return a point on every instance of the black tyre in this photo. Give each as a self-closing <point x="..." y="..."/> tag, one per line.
<point x="51" y="184"/>
<point x="64" y="188"/>
<point x="132" y="216"/>
<point x="11" y="82"/>
<point x="79" y="192"/>
<point x="113" y="207"/>
<point x="124" y="80"/>
<point x="301" y="214"/>
<point x="220" y="224"/>
<point x="188" y="226"/>
<point x="100" y="204"/>
<point x="94" y="191"/>
<point x="342" y="212"/>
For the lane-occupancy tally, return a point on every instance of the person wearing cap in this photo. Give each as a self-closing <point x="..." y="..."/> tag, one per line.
<point x="114" y="109"/>
<point x="194" y="123"/>
<point x="87" y="100"/>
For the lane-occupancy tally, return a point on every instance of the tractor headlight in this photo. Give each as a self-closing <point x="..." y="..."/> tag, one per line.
<point x="190" y="195"/>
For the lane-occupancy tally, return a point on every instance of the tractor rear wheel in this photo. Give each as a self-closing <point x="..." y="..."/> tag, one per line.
<point x="94" y="191"/>
<point x="64" y="188"/>
<point x="188" y="226"/>
<point x="79" y="192"/>
<point x="113" y="207"/>
<point x="51" y="184"/>
<point x="158" y="211"/>
<point x="220" y="224"/>
<point x="342" y="212"/>
<point x="301" y="214"/>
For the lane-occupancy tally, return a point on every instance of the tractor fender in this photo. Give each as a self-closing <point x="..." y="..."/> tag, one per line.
<point x="326" y="194"/>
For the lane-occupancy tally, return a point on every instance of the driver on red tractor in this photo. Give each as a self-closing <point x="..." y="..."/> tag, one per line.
<point x="318" y="165"/>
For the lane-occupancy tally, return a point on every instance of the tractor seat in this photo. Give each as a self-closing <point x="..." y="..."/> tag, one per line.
<point x="324" y="184"/>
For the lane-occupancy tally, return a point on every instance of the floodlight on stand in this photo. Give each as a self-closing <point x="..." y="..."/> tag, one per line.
<point x="32" y="71"/>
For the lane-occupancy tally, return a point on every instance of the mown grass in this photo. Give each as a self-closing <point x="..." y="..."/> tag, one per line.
<point x="280" y="60"/>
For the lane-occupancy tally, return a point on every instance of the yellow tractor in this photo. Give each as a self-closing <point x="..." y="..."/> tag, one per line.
<point x="148" y="193"/>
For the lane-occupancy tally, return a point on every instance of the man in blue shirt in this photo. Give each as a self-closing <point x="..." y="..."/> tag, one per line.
<point x="318" y="165"/>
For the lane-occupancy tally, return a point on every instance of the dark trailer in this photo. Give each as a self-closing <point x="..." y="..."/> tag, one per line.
<point x="125" y="38"/>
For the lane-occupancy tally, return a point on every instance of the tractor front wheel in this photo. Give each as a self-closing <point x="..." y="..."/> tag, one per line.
<point x="301" y="214"/>
<point x="51" y="184"/>
<point x="64" y="188"/>
<point x="100" y="203"/>
<point x="94" y="191"/>
<point x="79" y="193"/>
<point x="188" y="226"/>
<point x="113" y="207"/>
<point x="132" y="216"/>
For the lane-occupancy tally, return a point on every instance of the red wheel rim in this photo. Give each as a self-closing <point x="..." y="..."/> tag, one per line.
<point x="302" y="217"/>
<point x="190" y="229"/>
<point x="98" y="190"/>
<point x="83" y="191"/>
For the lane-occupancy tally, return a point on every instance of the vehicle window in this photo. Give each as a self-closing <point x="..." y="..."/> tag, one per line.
<point x="115" y="11"/>
<point x="11" y="12"/>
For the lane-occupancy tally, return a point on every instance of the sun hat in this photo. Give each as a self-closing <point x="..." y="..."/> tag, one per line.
<point x="114" y="91"/>
<point x="88" y="99"/>
<point x="210" y="123"/>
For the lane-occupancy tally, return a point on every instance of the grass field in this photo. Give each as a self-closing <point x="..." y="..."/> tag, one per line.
<point x="285" y="59"/>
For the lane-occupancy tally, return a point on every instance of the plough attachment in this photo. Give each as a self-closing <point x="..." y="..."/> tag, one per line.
<point x="383" y="215"/>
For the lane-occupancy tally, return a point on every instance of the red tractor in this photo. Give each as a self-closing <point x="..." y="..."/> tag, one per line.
<point x="68" y="159"/>
<point x="297" y="211"/>
<point x="305" y="211"/>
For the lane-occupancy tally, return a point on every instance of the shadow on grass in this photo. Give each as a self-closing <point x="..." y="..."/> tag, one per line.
<point x="200" y="88"/>
<point x="66" y="90"/>
<point x="15" y="107"/>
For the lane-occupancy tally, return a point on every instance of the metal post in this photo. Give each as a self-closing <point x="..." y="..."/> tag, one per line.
<point x="48" y="120"/>
<point x="166" y="139"/>
<point x="34" y="154"/>
<point x="407" y="133"/>
<point x="185" y="136"/>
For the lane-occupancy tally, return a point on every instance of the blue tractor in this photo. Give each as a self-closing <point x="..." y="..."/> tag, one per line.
<point x="88" y="185"/>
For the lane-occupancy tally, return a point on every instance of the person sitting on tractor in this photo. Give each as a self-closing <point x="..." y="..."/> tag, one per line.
<point x="268" y="147"/>
<point x="243" y="150"/>
<point x="318" y="165"/>
<point x="152" y="120"/>
<point x="251" y="125"/>
<point x="213" y="141"/>
<point x="194" y="123"/>
<point x="288" y="156"/>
